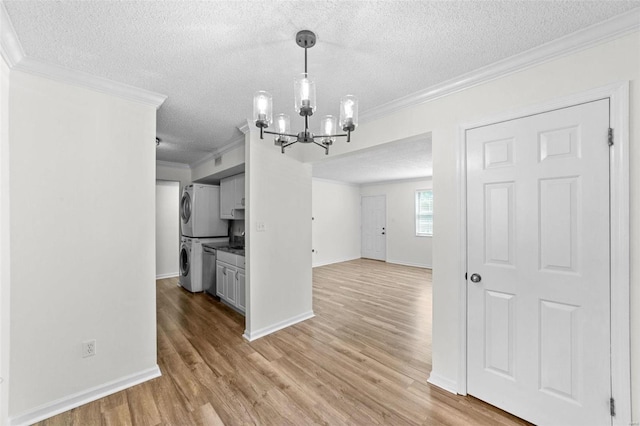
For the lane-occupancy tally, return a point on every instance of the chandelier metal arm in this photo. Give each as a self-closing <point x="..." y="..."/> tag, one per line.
<point x="280" y="134"/>
<point x="284" y="145"/>
<point x="341" y="135"/>
<point x="326" y="147"/>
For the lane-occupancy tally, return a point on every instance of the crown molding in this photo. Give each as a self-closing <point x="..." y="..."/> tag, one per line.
<point x="245" y="128"/>
<point x="335" y="182"/>
<point x="172" y="164"/>
<point x="90" y="81"/>
<point x="236" y="143"/>
<point x="612" y="28"/>
<point x="13" y="54"/>
<point x="10" y="47"/>
<point x="399" y="181"/>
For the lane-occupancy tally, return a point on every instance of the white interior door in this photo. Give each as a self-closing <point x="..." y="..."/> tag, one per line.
<point x="374" y="227"/>
<point x="538" y="332"/>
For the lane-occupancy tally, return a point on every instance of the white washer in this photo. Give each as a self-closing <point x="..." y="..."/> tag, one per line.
<point x="200" y="211"/>
<point x="191" y="262"/>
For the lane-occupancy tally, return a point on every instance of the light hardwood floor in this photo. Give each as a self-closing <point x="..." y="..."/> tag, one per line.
<point x="363" y="360"/>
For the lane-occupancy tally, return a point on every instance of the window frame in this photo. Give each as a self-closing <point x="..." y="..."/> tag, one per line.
<point x="418" y="213"/>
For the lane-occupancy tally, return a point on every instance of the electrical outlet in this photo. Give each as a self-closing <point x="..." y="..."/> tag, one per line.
<point x="88" y="348"/>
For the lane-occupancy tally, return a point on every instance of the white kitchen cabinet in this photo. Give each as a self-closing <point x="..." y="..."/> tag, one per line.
<point x="232" y="198"/>
<point x="227" y="198"/>
<point x="231" y="280"/>
<point x="239" y="191"/>
<point x="241" y="302"/>
<point x="221" y="280"/>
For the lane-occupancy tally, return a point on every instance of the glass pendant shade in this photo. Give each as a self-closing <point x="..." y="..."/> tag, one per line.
<point x="305" y="93"/>
<point x="282" y="126"/>
<point x="328" y="127"/>
<point x="349" y="113"/>
<point x="263" y="108"/>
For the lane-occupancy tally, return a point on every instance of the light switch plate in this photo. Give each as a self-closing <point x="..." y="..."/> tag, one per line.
<point x="260" y="227"/>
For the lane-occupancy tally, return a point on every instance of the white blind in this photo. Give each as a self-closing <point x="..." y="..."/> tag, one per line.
<point x="424" y="212"/>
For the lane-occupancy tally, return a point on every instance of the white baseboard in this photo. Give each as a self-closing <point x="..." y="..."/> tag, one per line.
<point x="443" y="383"/>
<point x="75" y="400"/>
<point x="169" y="275"/>
<point x="253" y="335"/>
<point x="331" y="262"/>
<point x="401" y="262"/>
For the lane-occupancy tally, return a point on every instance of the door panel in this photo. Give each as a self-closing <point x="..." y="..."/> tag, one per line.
<point x="538" y="333"/>
<point x="374" y="219"/>
<point x="499" y="339"/>
<point x="559" y="361"/>
<point x="499" y="223"/>
<point x="559" y="224"/>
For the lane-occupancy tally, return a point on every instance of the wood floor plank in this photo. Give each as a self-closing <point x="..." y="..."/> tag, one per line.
<point x="118" y="416"/>
<point x="364" y="359"/>
<point x="207" y="416"/>
<point x="142" y="405"/>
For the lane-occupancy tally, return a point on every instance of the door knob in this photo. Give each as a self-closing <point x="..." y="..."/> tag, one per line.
<point x="476" y="278"/>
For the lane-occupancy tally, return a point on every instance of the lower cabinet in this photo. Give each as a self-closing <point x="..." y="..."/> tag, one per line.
<point x="230" y="281"/>
<point x="241" y="290"/>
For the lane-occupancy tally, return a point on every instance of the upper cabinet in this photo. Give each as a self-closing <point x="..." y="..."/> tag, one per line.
<point x="239" y="191"/>
<point x="232" y="198"/>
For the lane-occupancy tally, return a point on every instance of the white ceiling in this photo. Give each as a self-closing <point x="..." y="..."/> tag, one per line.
<point x="403" y="159"/>
<point x="209" y="57"/>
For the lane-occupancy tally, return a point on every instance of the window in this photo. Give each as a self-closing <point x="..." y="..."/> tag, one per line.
<point x="424" y="213"/>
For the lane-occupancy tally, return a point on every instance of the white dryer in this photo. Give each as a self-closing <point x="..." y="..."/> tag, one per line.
<point x="200" y="211"/>
<point x="191" y="253"/>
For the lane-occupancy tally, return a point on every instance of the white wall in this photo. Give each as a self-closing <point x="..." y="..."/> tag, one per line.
<point x="82" y="172"/>
<point x="336" y="224"/>
<point x="279" y="282"/>
<point x="617" y="60"/>
<point x="173" y="172"/>
<point x="403" y="246"/>
<point x="4" y="243"/>
<point x="167" y="228"/>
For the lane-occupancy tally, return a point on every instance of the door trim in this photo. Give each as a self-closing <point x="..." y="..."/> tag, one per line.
<point x="618" y="93"/>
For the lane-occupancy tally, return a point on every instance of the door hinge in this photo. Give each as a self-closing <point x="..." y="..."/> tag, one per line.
<point x="465" y="276"/>
<point x="612" y="407"/>
<point x="610" y="136"/>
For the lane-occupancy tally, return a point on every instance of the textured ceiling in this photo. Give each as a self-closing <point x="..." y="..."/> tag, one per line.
<point x="210" y="57"/>
<point x="404" y="159"/>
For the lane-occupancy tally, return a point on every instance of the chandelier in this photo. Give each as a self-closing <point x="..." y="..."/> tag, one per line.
<point x="305" y="105"/>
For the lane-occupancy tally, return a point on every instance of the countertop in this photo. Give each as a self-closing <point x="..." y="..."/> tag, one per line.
<point x="235" y="250"/>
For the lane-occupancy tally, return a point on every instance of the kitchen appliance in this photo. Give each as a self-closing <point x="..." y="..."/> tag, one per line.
<point x="191" y="258"/>
<point x="209" y="254"/>
<point x="200" y="212"/>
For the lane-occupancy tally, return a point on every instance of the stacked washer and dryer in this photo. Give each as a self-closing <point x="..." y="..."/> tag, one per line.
<point x="200" y="223"/>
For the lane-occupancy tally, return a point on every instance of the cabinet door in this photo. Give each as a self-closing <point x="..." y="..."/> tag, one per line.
<point x="220" y="280"/>
<point x="231" y="278"/>
<point x="239" y="191"/>
<point x="241" y="290"/>
<point x="227" y="198"/>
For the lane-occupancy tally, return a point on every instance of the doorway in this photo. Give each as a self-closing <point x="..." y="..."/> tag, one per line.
<point x="167" y="228"/>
